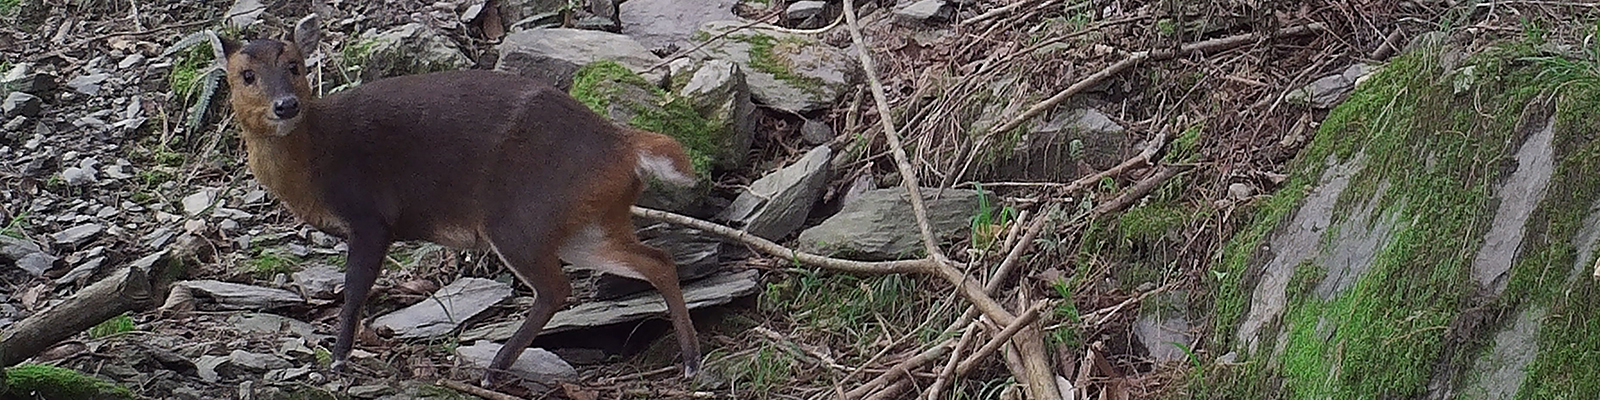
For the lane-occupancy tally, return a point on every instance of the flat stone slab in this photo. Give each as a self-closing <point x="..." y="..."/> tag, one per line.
<point x="534" y="364"/>
<point x="715" y="290"/>
<point x="446" y="309"/>
<point x="236" y="296"/>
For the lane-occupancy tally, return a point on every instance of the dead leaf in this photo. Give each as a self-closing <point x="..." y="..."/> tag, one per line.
<point x="60" y="351"/>
<point x="489" y="21"/>
<point x="30" y="298"/>
<point x="417" y="287"/>
<point x="576" y="392"/>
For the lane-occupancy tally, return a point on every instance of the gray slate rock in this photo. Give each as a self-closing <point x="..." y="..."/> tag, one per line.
<point x="1071" y="144"/>
<point x="273" y="323"/>
<point x="75" y="176"/>
<point x="814" y="74"/>
<point x="197" y="202"/>
<point x="77" y="234"/>
<point x="370" y="391"/>
<point x="37" y="263"/>
<point x="1162" y="331"/>
<point x="662" y="23"/>
<point x="23" y="104"/>
<point x="20" y="79"/>
<point x="777" y="204"/>
<point x="880" y="225"/>
<point x="1328" y="91"/>
<point x="12" y="249"/>
<point x="715" y="290"/>
<point x="526" y="14"/>
<point x="26" y="254"/>
<point x="802" y="10"/>
<point x="254" y="362"/>
<point x="924" y="11"/>
<point x="718" y="90"/>
<point x="234" y="296"/>
<point x="320" y="282"/>
<point x="814" y="132"/>
<point x="408" y="49"/>
<point x="535" y="364"/>
<point x="88" y="84"/>
<point x="245" y="12"/>
<point x="695" y="253"/>
<point x="446" y="309"/>
<point x="555" y="54"/>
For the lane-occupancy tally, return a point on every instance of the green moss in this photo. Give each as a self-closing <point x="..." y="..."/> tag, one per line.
<point x="49" y="382"/>
<point x="188" y="69"/>
<point x="1384" y="336"/>
<point x="122" y="323"/>
<point x="765" y="56"/>
<point x="268" y="263"/>
<point x="598" y="84"/>
<point x="9" y="8"/>
<point x="1568" y="347"/>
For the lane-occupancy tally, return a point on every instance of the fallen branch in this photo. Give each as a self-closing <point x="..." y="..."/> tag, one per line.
<point x="1000" y="338"/>
<point x="908" y="176"/>
<point x="948" y="373"/>
<point x="475" y="390"/>
<point x="137" y="287"/>
<point x="996" y="11"/>
<point x="965" y="287"/>
<point x="1138" y="191"/>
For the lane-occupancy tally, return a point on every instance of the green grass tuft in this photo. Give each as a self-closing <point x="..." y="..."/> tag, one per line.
<point x="122" y="323"/>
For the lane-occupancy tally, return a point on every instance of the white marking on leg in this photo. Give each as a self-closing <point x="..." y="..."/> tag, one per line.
<point x="662" y="168"/>
<point x="585" y="250"/>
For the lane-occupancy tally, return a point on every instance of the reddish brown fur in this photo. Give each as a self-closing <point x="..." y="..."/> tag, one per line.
<point x="468" y="159"/>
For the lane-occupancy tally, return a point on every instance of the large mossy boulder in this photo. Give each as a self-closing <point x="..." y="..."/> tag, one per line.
<point x="1435" y="240"/>
<point x="556" y="54"/>
<point x="790" y="72"/>
<point x="615" y="92"/>
<point x="405" y="50"/>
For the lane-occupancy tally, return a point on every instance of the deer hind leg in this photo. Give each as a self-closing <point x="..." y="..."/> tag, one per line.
<point x="530" y="258"/>
<point x="614" y="249"/>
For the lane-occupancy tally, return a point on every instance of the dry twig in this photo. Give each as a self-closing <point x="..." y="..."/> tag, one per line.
<point x="1207" y="46"/>
<point x="475" y="390"/>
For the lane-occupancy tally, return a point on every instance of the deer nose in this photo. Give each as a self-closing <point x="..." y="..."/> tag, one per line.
<point x="286" y="108"/>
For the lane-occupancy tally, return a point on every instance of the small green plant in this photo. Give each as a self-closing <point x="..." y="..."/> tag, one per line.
<point x="197" y="71"/>
<point x="15" y="226"/>
<point x="765" y="368"/>
<point x="9" y="8"/>
<point x="323" y="356"/>
<point x="1067" y="311"/>
<point x="269" y="263"/>
<point x="988" y="225"/>
<point x="37" y="381"/>
<point x="122" y="323"/>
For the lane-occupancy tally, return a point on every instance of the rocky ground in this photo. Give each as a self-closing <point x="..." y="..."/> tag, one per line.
<point x="118" y="146"/>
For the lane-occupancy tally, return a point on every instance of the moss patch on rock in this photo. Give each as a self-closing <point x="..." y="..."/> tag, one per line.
<point x="49" y="382"/>
<point x="1435" y="155"/>
<point x="599" y="85"/>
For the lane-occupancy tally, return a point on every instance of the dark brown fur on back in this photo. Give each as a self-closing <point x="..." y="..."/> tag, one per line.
<point x="445" y="178"/>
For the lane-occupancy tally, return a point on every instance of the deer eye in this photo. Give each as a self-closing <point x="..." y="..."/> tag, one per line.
<point x="294" y="70"/>
<point x="249" y="77"/>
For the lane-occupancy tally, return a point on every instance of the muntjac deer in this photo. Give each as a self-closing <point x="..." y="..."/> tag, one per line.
<point x="468" y="159"/>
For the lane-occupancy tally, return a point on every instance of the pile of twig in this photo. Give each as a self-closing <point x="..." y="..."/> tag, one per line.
<point x="988" y="327"/>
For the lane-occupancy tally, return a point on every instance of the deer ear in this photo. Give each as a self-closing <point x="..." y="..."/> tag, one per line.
<point x="307" y="33"/>
<point x="229" y="46"/>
